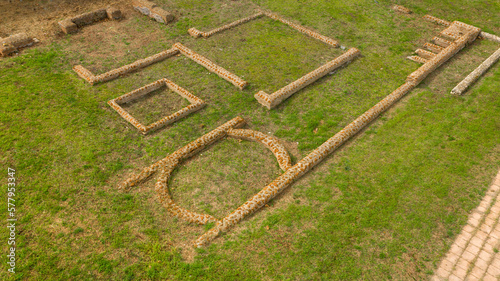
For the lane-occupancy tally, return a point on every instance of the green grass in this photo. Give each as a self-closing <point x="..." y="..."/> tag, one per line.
<point x="387" y="205"/>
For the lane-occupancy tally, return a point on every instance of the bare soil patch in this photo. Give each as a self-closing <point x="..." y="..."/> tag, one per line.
<point x="39" y="18"/>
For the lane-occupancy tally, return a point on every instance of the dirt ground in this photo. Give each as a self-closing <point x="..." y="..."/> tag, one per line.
<point x="39" y="19"/>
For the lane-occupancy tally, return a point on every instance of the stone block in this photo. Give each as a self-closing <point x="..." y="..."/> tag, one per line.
<point x="161" y="15"/>
<point x="114" y="13"/>
<point x="89" y="18"/>
<point x="68" y="26"/>
<point x="144" y="4"/>
<point x="7" y="49"/>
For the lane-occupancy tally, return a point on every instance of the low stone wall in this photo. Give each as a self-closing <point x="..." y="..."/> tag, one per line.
<point x="152" y="10"/>
<point x="483" y="34"/>
<point x="490" y="37"/>
<point x="196" y="33"/>
<point x="463" y="33"/>
<point x="176" y="49"/>
<point x="290" y="175"/>
<point x="417" y="59"/>
<point x="401" y="9"/>
<point x="12" y="43"/>
<point x="425" y="54"/>
<point x="272" y="100"/>
<point x="184" y="152"/>
<point x="466" y="34"/>
<point x="433" y="48"/>
<point x="302" y="167"/>
<point x="71" y="25"/>
<point x="474" y="75"/>
<point x="112" y="74"/>
<point x="436" y="20"/>
<point x="455" y="32"/>
<point x="298" y="27"/>
<point x="431" y="65"/>
<point x="196" y="104"/>
<point x="223" y="73"/>
<point x="270" y="142"/>
<point x="441" y="42"/>
<point x="166" y="166"/>
<point x="320" y="153"/>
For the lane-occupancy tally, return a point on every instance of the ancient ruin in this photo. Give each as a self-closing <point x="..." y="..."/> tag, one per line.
<point x="153" y="11"/>
<point x="401" y="9"/>
<point x="272" y="100"/>
<point x="196" y="104"/>
<point x="14" y="42"/>
<point x="168" y="164"/>
<point x="196" y="33"/>
<point x="460" y="34"/>
<point x="177" y="48"/>
<point x="71" y="25"/>
<point x="453" y="32"/>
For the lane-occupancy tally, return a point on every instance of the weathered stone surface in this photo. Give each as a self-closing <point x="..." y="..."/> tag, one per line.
<point x="68" y="26"/>
<point x="195" y="105"/>
<point x="474" y="75"/>
<point x="89" y="18"/>
<point x="114" y="13"/>
<point x="18" y="40"/>
<point x="7" y="49"/>
<point x="144" y="3"/>
<point x="11" y="44"/>
<point x="161" y="15"/>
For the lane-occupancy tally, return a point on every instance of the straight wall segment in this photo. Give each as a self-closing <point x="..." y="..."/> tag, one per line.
<point x="478" y="72"/>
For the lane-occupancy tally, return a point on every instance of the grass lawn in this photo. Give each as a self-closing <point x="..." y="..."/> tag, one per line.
<point x="387" y="205"/>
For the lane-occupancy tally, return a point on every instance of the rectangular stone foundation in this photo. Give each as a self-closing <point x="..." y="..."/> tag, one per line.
<point x="196" y="104"/>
